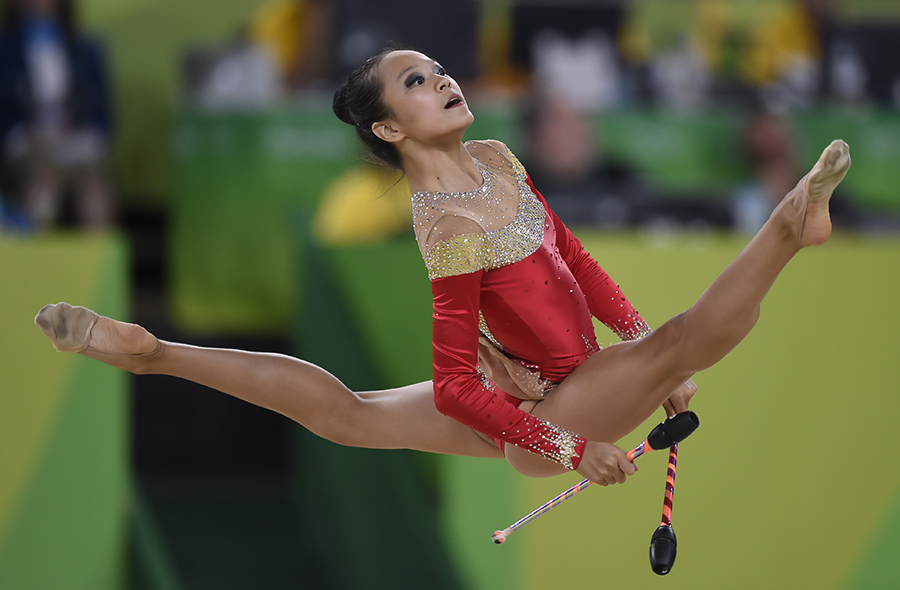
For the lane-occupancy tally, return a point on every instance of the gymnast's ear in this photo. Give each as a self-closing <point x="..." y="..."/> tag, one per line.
<point x="386" y="131"/>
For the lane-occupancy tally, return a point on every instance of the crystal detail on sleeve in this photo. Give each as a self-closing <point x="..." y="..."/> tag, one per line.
<point x="556" y="443"/>
<point x="635" y="329"/>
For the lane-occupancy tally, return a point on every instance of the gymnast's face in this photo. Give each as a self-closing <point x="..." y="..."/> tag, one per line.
<point x="426" y="105"/>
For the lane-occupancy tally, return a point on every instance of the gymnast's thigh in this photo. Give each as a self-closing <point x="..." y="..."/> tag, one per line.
<point x="615" y="390"/>
<point x="406" y="418"/>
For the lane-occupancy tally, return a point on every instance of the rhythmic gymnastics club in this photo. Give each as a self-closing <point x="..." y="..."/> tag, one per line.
<point x="663" y="544"/>
<point x="666" y="434"/>
<point x="673" y="430"/>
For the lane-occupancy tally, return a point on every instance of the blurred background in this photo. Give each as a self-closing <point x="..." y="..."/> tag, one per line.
<point x="178" y="165"/>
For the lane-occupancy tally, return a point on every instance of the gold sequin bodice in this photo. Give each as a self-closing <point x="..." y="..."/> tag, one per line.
<point x="497" y="224"/>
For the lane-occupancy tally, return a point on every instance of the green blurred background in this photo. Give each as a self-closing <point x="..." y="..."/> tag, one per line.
<point x="110" y="481"/>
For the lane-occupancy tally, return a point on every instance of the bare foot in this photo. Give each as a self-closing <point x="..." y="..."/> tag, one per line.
<point x="817" y="187"/>
<point x="78" y="329"/>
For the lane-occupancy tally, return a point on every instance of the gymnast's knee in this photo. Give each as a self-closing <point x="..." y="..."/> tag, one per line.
<point x="343" y="423"/>
<point x="668" y="339"/>
<point x="690" y="348"/>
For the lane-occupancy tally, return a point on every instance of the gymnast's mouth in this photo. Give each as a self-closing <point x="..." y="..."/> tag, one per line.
<point x="455" y="100"/>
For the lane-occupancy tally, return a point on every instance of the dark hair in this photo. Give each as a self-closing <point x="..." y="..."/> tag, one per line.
<point x="360" y="102"/>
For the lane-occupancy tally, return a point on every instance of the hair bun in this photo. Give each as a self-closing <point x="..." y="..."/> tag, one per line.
<point x="360" y="102"/>
<point x="339" y="105"/>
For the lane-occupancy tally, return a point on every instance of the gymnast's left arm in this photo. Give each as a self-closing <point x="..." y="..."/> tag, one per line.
<point x="607" y="302"/>
<point x="609" y="305"/>
<point x="604" y="298"/>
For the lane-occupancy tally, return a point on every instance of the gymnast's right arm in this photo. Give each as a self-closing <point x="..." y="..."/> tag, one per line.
<point x="465" y="395"/>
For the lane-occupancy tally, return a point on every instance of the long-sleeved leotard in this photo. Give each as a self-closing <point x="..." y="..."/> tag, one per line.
<point x="504" y="266"/>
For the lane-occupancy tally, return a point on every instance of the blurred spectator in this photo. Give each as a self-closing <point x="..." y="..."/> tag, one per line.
<point x="772" y="158"/>
<point x="665" y="48"/>
<point x="237" y="73"/>
<point x="566" y="162"/>
<point x="803" y="53"/>
<point x="365" y="205"/>
<point x="297" y="34"/>
<point x="447" y="31"/>
<point x="11" y="218"/>
<point x="878" y="44"/>
<point x="791" y="53"/>
<point x="771" y="152"/>
<point x="569" y="50"/>
<point x="54" y="114"/>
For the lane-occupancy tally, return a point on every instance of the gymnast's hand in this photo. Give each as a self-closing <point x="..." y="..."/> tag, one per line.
<point x="680" y="398"/>
<point x="605" y="464"/>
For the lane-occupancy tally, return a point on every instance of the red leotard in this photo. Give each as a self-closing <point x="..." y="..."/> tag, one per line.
<point x="506" y="267"/>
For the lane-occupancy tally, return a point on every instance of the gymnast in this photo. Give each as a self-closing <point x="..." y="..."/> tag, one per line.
<point x="517" y="369"/>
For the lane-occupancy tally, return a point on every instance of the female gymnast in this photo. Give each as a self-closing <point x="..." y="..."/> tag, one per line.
<point x="517" y="369"/>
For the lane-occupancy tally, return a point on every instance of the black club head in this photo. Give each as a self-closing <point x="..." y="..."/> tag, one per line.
<point x="663" y="547"/>
<point x="673" y="430"/>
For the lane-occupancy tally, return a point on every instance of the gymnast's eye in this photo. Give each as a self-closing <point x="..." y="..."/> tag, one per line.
<point x="414" y="79"/>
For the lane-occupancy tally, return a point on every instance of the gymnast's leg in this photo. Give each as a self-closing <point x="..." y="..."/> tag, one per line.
<point x="395" y="418"/>
<point x="611" y="393"/>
